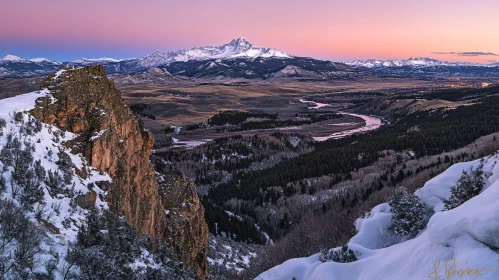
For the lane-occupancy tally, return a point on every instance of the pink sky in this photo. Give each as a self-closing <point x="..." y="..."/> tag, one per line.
<point x="327" y="29"/>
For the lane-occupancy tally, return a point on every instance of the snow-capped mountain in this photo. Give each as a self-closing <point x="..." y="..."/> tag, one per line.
<point x="14" y="66"/>
<point x="39" y="60"/>
<point x="237" y="48"/>
<point x="10" y="57"/>
<point x="242" y="59"/>
<point x="423" y="67"/>
<point x="16" y="59"/>
<point x="411" y="62"/>
<point x="237" y="59"/>
<point x="90" y="61"/>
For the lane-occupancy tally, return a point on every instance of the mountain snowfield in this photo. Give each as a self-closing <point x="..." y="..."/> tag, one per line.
<point x="460" y="240"/>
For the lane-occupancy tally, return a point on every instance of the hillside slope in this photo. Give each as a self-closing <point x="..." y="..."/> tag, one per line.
<point x="460" y="240"/>
<point x="74" y="146"/>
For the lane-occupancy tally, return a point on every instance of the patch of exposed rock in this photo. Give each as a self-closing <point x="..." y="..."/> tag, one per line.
<point x="113" y="140"/>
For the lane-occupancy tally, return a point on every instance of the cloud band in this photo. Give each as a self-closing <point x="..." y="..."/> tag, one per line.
<point x="468" y="53"/>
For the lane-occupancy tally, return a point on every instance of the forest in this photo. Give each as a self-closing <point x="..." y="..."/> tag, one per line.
<point x="437" y="131"/>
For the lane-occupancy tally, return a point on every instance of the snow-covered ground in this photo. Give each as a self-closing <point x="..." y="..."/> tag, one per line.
<point x="456" y="244"/>
<point x="228" y="255"/>
<point x="39" y="150"/>
<point x="57" y="210"/>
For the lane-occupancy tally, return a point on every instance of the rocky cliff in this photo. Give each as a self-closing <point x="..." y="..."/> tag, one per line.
<point x="113" y="140"/>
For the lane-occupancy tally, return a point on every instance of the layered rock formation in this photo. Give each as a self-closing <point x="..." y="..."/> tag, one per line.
<point x="113" y="140"/>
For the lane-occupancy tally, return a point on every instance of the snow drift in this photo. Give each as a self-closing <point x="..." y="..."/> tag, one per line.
<point x="459" y="243"/>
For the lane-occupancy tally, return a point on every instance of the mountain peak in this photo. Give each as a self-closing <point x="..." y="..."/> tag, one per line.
<point x="11" y="57"/>
<point x="237" y="48"/>
<point x="39" y="59"/>
<point x="239" y="41"/>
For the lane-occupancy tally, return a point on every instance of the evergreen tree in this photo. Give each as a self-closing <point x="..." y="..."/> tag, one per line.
<point x="341" y="255"/>
<point x="407" y="213"/>
<point x="469" y="185"/>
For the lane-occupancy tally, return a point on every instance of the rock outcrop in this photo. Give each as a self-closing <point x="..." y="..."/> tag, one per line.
<point x="113" y="140"/>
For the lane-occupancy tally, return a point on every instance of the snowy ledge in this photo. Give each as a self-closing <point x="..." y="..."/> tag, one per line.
<point x="464" y="238"/>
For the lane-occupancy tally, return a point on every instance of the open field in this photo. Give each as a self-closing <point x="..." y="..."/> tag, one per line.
<point x="10" y="87"/>
<point x="184" y="102"/>
<point x="190" y="102"/>
<point x="321" y="129"/>
<point x="187" y="102"/>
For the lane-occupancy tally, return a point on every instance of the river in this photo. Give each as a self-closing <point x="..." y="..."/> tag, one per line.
<point x="371" y="122"/>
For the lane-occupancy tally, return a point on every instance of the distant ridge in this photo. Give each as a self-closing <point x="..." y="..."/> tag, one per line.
<point x="412" y="62"/>
<point x="241" y="59"/>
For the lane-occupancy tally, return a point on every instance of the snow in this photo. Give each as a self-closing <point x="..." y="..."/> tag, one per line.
<point x="20" y="103"/>
<point x="412" y="62"/>
<point x="237" y="48"/>
<point x="454" y="240"/>
<point x="268" y="240"/>
<point x="39" y="59"/>
<point x="96" y="60"/>
<point x="234" y="256"/>
<point x="14" y="58"/>
<point x="99" y="134"/>
<point x="58" y="73"/>
<point x="55" y="210"/>
<point x="10" y="57"/>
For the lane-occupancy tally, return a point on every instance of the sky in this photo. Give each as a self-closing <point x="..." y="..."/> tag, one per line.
<point x="452" y="30"/>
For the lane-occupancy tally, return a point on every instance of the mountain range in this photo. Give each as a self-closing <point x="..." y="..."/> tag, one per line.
<point x="411" y="62"/>
<point x="242" y="59"/>
<point x="237" y="59"/>
<point x="423" y="67"/>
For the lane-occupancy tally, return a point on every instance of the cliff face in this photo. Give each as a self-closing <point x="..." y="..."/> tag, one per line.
<point x="184" y="214"/>
<point x="86" y="103"/>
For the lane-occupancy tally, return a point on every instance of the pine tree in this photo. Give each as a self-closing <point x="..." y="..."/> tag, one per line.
<point x="469" y="185"/>
<point x="340" y="255"/>
<point x="407" y="213"/>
